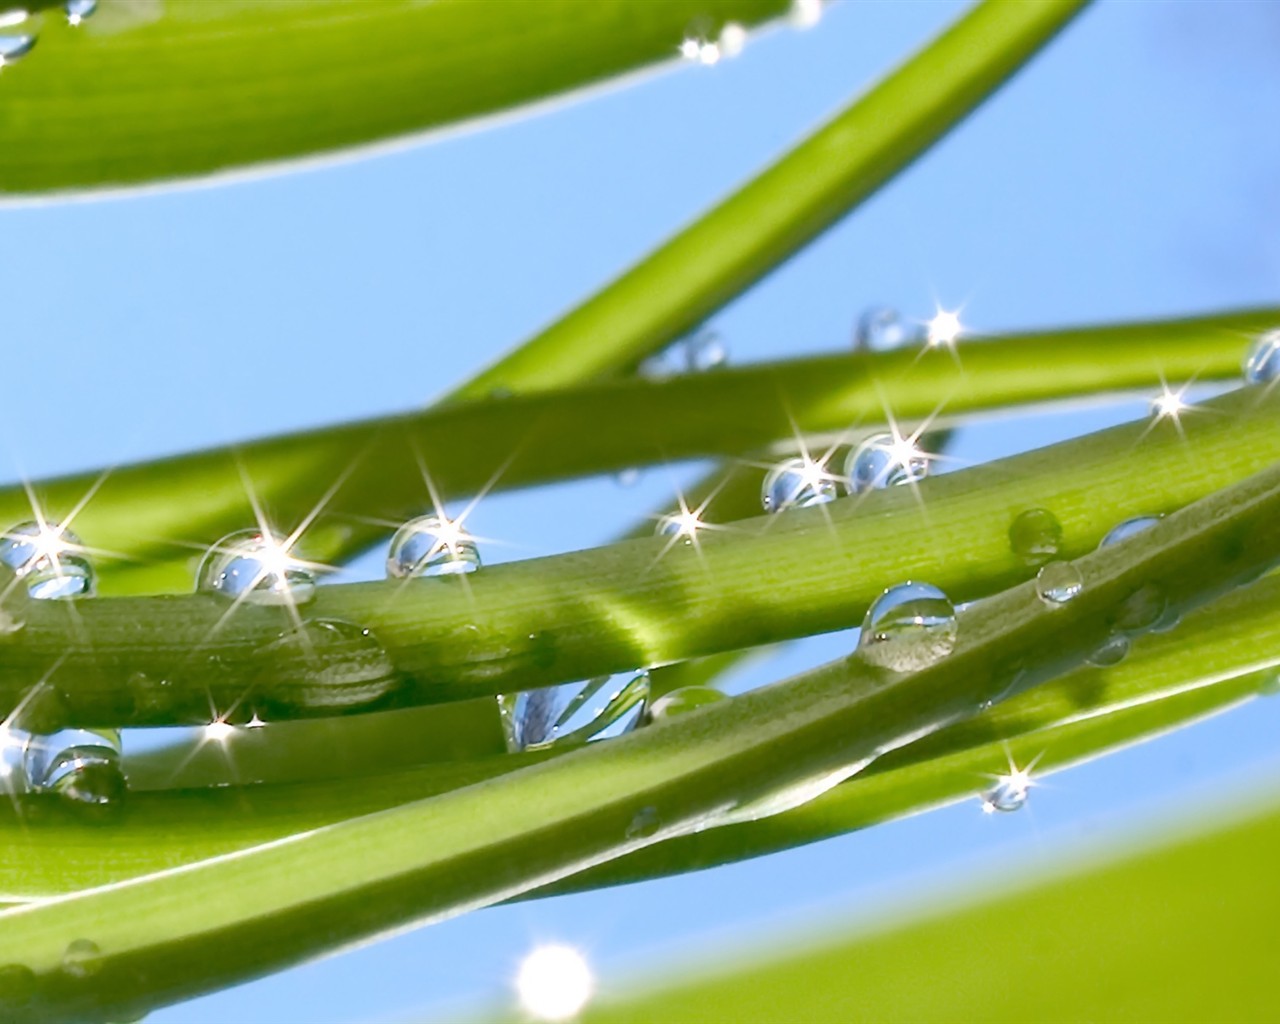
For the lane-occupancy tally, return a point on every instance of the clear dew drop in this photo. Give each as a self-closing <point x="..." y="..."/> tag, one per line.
<point x="796" y="483"/>
<point x="325" y="664"/>
<point x="644" y="824"/>
<point x="681" y="526"/>
<point x="1113" y="650"/>
<point x="432" y="545"/>
<point x="1270" y="685"/>
<point x="882" y="329"/>
<point x="80" y="766"/>
<point x="1262" y="361"/>
<point x="1058" y="582"/>
<point x="1008" y="794"/>
<point x="1142" y="610"/>
<point x="574" y="713"/>
<point x="50" y="560"/>
<point x="14" y="46"/>
<point x="698" y="353"/>
<point x="78" y="10"/>
<point x="908" y="627"/>
<point x="17" y="986"/>
<point x="805" y="13"/>
<point x="1129" y="528"/>
<point x="82" y="958"/>
<point x="884" y="461"/>
<point x="1035" y="536"/>
<point x="682" y="701"/>
<point x="733" y="39"/>
<point x="257" y="567"/>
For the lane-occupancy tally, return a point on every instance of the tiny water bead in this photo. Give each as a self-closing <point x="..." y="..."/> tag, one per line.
<point x="1008" y="794"/>
<point x="698" y="353"/>
<point x="908" y="627"/>
<point x="432" y="545"/>
<point x="82" y="766"/>
<point x="796" y="483"/>
<point x="325" y="664"/>
<point x="882" y="329"/>
<point x="1058" y="582"/>
<point x="574" y="713"/>
<point x="682" y="701"/>
<point x="683" y="526"/>
<point x="78" y="10"/>
<point x="1035" y="536"/>
<point x="1262" y="361"/>
<point x="257" y="567"/>
<point x="1129" y="528"/>
<point x="49" y="559"/>
<point x="17" y="986"/>
<point x="15" y="46"/>
<point x="1113" y="650"/>
<point x="884" y="460"/>
<point x="82" y="958"/>
<point x="644" y="824"/>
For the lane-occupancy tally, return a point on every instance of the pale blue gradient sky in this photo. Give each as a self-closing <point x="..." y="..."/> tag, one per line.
<point x="1130" y="172"/>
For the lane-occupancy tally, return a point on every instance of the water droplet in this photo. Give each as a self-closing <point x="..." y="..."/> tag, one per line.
<point x="1129" y="528"/>
<point x="1058" y="582"/>
<point x="17" y="986"/>
<point x="14" y="47"/>
<point x="1008" y="794"/>
<point x="796" y="483"/>
<point x="682" y="701"/>
<point x="325" y="664"/>
<point x="1035" y="536"/>
<point x="885" y="461"/>
<point x="697" y="353"/>
<point x="82" y="766"/>
<point x="682" y="525"/>
<point x="82" y="958"/>
<point x="908" y="628"/>
<point x="1110" y="652"/>
<point x="1262" y="362"/>
<point x="253" y="566"/>
<point x="733" y="39"/>
<point x="574" y="713"/>
<point x="432" y="546"/>
<point x="49" y="559"/>
<point x="805" y="13"/>
<point x="628" y="477"/>
<point x="881" y="329"/>
<point x="644" y="824"/>
<point x="78" y="10"/>
<point x="1270" y="685"/>
<point x="1141" y="610"/>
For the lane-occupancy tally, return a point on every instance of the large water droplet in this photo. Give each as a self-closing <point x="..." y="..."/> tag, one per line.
<point x="1058" y="582"/>
<point x="1141" y="610"/>
<point x="1262" y="362"/>
<point x="733" y="39"/>
<point x="82" y="766"/>
<point x="15" y="46"/>
<point x="885" y="461"/>
<point x="78" y="10"/>
<point x="881" y="329"/>
<point x="82" y="958"/>
<point x="49" y="559"/>
<point x="432" y="546"/>
<point x="1129" y="528"/>
<point x="908" y="628"/>
<point x="796" y="483"/>
<point x="682" y="701"/>
<point x="1035" y="536"/>
<point x="325" y="664"/>
<point x="573" y="713"/>
<point x="1008" y="794"/>
<point x="253" y="566"/>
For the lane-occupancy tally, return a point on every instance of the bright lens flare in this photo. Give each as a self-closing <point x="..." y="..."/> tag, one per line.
<point x="554" y="983"/>
<point x="1168" y="405"/>
<point x="219" y="732"/>
<point x="943" y="329"/>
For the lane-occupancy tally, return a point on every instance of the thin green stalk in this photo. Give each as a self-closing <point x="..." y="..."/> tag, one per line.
<point x="639" y="603"/>
<point x="171" y="935"/>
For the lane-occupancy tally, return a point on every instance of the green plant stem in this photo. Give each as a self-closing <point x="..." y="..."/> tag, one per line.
<point x="160" y="514"/>
<point x="799" y="196"/>
<point x="174" y="934"/>
<point x="638" y="603"/>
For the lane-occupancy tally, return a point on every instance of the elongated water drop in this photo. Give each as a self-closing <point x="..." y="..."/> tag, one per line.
<point x="796" y="483"/>
<point x="884" y="460"/>
<point x="78" y="10"/>
<point x="1262" y="361"/>
<point x="574" y="713"/>
<point x="1008" y="794"/>
<point x="82" y="766"/>
<point x="1035" y="536"/>
<point x="258" y="567"/>
<point x="432" y="546"/>
<point x="908" y="628"/>
<point x="881" y="329"/>
<point x="682" y="701"/>
<point x="49" y="559"/>
<point x="1129" y="528"/>
<point x="1058" y="582"/>
<point x="325" y="664"/>
<point x="15" y="46"/>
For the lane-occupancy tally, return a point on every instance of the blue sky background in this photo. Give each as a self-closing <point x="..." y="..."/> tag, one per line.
<point x="1130" y="172"/>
